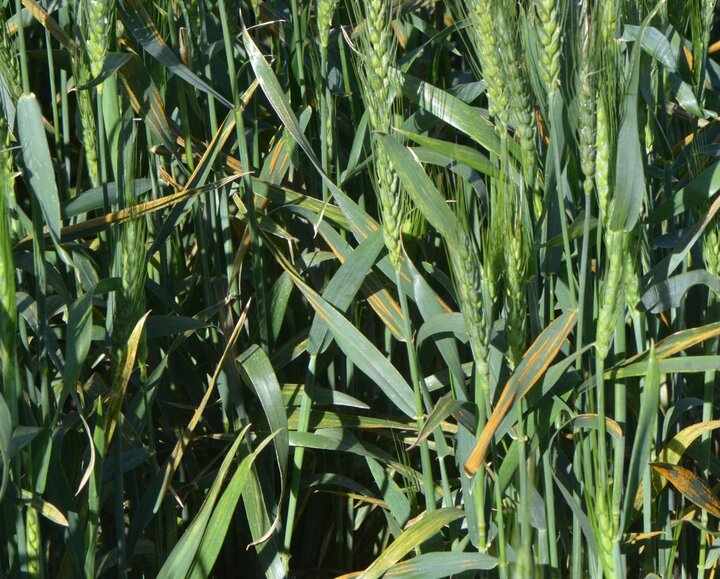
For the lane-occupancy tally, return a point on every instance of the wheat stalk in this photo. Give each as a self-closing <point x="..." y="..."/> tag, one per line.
<point x="8" y="303"/>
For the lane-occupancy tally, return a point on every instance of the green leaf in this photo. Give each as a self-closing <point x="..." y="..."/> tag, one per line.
<point x="443" y="323"/>
<point x="362" y="224"/>
<point x="644" y="435"/>
<point x="181" y="558"/>
<point x="38" y="168"/>
<point x="357" y="347"/>
<point x="113" y="62"/>
<point x="324" y="419"/>
<point x="421" y="190"/>
<point x="93" y="199"/>
<point x="141" y="26"/>
<point x="391" y="492"/>
<point x="685" y="96"/>
<point x="222" y="515"/>
<point x="438" y="565"/>
<point x="197" y="179"/>
<point x="430" y="306"/>
<point x="443" y="408"/>
<point x="630" y="163"/>
<point x="669" y="293"/>
<point x="147" y="101"/>
<point x="427" y="527"/>
<point x="669" y="366"/>
<point x="654" y="43"/>
<point x="161" y="326"/>
<point x="342" y="440"/>
<point x="459" y="153"/>
<point x="662" y="270"/>
<point x="77" y="342"/>
<point x="259" y="374"/>
<point x="378" y="296"/>
<point x="692" y="195"/>
<point x="470" y="176"/>
<point x="453" y="111"/>
<point x="361" y="352"/>
<point x="344" y="285"/>
<point x="292" y="394"/>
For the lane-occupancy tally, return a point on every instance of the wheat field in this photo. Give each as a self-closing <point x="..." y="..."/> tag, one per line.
<point x="359" y="288"/>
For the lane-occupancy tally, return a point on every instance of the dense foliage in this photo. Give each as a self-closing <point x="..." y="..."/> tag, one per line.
<point x="359" y="288"/>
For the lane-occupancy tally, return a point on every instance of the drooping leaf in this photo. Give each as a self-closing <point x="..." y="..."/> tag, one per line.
<point x="670" y="292"/>
<point x="654" y="43"/>
<point x="452" y="110"/>
<point x="138" y="22"/>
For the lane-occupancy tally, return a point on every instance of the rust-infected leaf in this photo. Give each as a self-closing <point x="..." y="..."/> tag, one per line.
<point x="674" y="344"/>
<point x="692" y="487"/>
<point x="536" y="360"/>
<point x="672" y="453"/>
